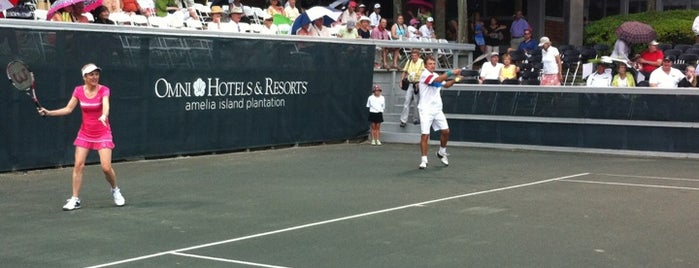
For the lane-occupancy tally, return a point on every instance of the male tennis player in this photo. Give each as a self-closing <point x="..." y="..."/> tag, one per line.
<point x="430" y="109"/>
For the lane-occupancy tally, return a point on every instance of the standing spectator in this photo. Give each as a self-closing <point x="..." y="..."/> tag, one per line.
<point x="493" y="39"/>
<point x="551" y="58"/>
<point x="695" y="29"/>
<point x="399" y="31"/>
<point x="413" y="31"/>
<point x="690" y="79"/>
<point x="509" y="71"/>
<point x="478" y="28"/>
<point x="364" y="29"/>
<point x="275" y="8"/>
<point x="430" y="109"/>
<point x="291" y="11"/>
<point x="621" y="51"/>
<point x="412" y="70"/>
<point x="427" y="30"/>
<point x="376" y="104"/>
<point x="350" y="13"/>
<point x="600" y="78"/>
<point x="375" y="16"/>
<point x="519" y="24"/>
<point x="349" y="31"/>
<point x="622" y="78"/>
<point x="101" y="15"/>
<point x="95" y="132"/>
<point x="650" y="59"/>
<point x="381" y="33"/>
<point x="666" y="76"/>
<point x="361" y="11"/>
<point x="490" y="72"/>
<point x="452" y="30"/>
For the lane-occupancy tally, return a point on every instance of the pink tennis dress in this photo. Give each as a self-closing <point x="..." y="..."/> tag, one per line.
<point x="93" y="134"/>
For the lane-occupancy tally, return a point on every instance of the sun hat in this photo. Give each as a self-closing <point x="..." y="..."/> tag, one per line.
<point x="90" y="67"/>
<point x="216" y="10"/>
<point x="236" y="10"/>
<point x="364" y="18"/>
<point x="544" y="40"/>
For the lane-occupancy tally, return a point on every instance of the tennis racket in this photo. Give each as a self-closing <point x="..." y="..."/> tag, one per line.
<point x="22" y="78"/>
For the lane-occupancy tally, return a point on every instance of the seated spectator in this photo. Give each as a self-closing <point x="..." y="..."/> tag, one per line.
<point x="364" y="29"/>
<point x="349" y="31"/>
<point x="112" y="5"/>
<point x="381" y="33"/>
<point x="690" y="79"/>
<point x="427" y="30"/>
<point x="304" y="30"/>
<point x="130" y="6"/>
<point x="215" y="24"/>
<point x="234" y="23"/>
<point x="508" y="71"/>
<point x="399" y="31"/>
<point x="101" y="15"/>
<point x="490" y="71"/>
<point x="623" y="78"/>
<point x="267" y="26"/>
<point x="650" y="59"/>
<point x="600" y="78"/>
<point x="291" y="11"/>
<point x="165" y="7"/>
<point x="413" y="31"/>
<point x="318" y="29"/>
<point x="275" y="8"/>
<point x="147" y="7"/>
<point x="361" y="11"/>
<point x="528" y="43"/>
<point x="72" y="13"/>
<point x="666" y="76"/>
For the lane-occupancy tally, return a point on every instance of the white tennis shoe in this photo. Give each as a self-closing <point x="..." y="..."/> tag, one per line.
<point x="423" y="165"/>
<point x="72" y="204"/>
<point x="118" y="198"/>
<point x="443" y="158"/>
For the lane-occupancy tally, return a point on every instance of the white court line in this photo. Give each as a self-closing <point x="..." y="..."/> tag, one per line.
<point x="228" y="260"/>
<point x="634" y="185"/>
<point x="648" y="177"/>
<point x="336" y="220"/>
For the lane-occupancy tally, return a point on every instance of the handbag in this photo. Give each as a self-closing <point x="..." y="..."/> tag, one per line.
<point x="405" y="83"/>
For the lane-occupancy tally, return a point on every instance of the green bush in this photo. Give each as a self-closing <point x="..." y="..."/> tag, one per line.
<point x="672" y="27"/>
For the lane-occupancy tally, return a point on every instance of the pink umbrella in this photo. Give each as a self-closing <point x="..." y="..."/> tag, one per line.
<point x="5" y="4"/>
<point x="420" y="4"/>
<point x="88" y="5"/>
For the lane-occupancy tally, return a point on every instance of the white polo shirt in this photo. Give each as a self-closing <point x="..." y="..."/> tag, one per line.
<point x="548" y="57"/>
<point x="490" y="72"/>
<point x="666" y="80"/>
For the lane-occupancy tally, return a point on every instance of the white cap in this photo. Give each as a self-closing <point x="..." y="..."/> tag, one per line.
<point x="266" y="16"/>
<point x="377" y="5"/>
<point x="544" y="40"/>
<point x="364" y="18"/>
<point x="653" y="43"/>
<point x="494" y="54"/>
<point x="430" y="19"/>
<point x="90" y="68"/>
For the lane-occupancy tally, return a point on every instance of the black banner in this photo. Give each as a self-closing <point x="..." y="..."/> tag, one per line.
<point x="178" y="95"/>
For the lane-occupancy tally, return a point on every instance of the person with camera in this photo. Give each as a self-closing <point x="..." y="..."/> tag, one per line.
<point x="410" y="76"/>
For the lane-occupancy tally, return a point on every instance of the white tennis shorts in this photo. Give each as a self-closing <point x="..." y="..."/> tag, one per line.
<point x="436" y="120"/>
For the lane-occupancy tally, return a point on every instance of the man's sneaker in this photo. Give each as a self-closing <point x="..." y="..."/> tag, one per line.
<point x="402" y="124"/>
<point x="118" y="198"/>
<point x="373" y="142"/>
<point x="416" y="122"/>
<point x="443" y="158"/>
<point x="378" y="142"/>
<point x="423" y="165"/>
<point x="72" y="204"/>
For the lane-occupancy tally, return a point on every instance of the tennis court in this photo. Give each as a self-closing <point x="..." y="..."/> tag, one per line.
<point x="356" y="205"/>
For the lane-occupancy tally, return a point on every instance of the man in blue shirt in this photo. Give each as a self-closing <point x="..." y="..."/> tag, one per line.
<point x="519" y="25"/>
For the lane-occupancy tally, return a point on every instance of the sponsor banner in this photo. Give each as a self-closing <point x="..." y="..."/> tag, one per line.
<point x="174" y="95"/>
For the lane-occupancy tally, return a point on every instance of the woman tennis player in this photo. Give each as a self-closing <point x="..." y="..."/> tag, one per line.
<point x="94" y="134"/>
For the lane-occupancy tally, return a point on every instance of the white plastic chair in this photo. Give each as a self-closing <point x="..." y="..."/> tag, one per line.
<point x="39" y="14"/>
<point x="194" y="24"/>
<point x="156" y="21"/>
<point x="445" y="55"/>
<point x="120" y="18"/>
<point x="139" y="20"/>
<point x="89" y="16"/>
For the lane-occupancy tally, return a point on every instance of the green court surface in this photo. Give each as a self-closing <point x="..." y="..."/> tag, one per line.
<point x="355" y="205"/>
